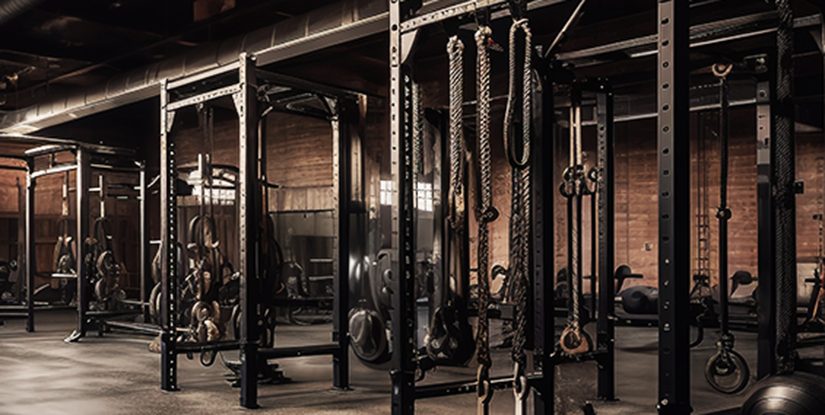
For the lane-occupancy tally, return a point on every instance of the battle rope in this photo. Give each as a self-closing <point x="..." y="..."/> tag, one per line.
<point x="520" y="203"/>
<point x="486" y="213"/>
<point x="785" y="211"/>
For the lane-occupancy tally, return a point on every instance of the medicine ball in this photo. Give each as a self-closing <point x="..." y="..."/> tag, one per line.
<point x="795" y="394"/>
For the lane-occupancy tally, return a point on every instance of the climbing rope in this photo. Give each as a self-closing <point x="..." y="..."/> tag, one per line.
<point x="486" y="213"/>
<point x="455" y="49"/>
<point x="784" y="194"/>
<point x="520" y="201"/>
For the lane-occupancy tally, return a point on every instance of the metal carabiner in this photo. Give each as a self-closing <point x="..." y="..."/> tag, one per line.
<point x="521" y="390"/>
<point x="485" y="390"/>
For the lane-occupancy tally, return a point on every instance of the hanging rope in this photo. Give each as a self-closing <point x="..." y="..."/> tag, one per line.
<point x="455" y="50"/>
<point x="520" y="200"/>
<point x="509" y="117"/>
<point x="574" y="340"/>
<point x="486" y="213"/>
<point x="783" y="188"/>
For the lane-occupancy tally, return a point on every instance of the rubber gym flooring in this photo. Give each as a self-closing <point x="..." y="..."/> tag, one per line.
<point x="116" y="374"/>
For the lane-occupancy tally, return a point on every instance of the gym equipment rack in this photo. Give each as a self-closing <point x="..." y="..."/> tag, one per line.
<point x="86" y="158"/>
<point x="20" y="309"/>
<point x="243" y="82"/>
<point x="408" y="18"/>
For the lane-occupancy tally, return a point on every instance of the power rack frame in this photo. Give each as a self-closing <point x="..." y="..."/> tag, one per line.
<point x="86" y="158"/>
<point x="242" y="81"/>
<point x="24" y="307"/>
<point x="407" y="19"/>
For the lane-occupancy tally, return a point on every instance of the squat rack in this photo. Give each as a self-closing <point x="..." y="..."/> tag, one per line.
<point x="20" y="310"/>
<point x="86" y="158"/>
<point x="249" y="88"/>
<point x="776" y="187"/>
<point x="407" y="19"/>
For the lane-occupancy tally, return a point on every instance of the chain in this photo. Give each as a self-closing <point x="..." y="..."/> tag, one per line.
<point x="486" y="213"/>
<point x="455" y="49"/>
<point x="520" y="207"/>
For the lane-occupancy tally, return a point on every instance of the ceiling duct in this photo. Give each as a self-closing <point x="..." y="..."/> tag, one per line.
<point x="9" y="9"/>
<point x="327" y="26"/>
<point x="335" y="24"/>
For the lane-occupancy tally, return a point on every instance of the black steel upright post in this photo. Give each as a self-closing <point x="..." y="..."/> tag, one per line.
<point x="543" y="245"/>
<point x="83" y="178"/>
<point x="248" y="217"/>
<point x="145" y="260"/>
<point x="31" y="261"/>
<point x="605" y="325"/>
<point x="403" y="232"/>
<point x="169" y="251"/>
<point x="766" y="307"/>
<point x="674" y="207"/>
<point x="723" y="213"/>
<point x="342" y="196"/>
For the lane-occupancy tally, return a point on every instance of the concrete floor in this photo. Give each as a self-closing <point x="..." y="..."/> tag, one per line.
<point x="117" y="375"/>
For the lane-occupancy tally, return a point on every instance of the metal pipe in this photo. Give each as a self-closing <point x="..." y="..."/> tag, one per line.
<point x="53" y="170"/>
<point x="10" y="9"/>
<point x="31" y="263"/>
<point x="145" y="262"/>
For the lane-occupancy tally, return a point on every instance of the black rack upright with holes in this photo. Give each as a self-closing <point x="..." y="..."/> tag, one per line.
<point x="674" y="207"/>
<point x="84" y="159"/>
<point x="407" y="19"/>
<point x="19" y="307"/>
<point x="243" y="83"/>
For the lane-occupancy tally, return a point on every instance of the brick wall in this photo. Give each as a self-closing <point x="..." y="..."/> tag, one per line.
<point x="300" y="152"/>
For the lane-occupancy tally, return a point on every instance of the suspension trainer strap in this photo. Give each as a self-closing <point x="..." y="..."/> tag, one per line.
<point x="520" y="207"/>
<point x="486" y="213"/>
<point x="575" y="218"/>
<point x="575" y="341"/>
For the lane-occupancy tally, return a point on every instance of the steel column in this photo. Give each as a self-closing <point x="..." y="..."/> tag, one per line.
<point x="248" y="216"/>
<point x="766" y="308"/>
<point x="342" y="197"/>
<point x="169" y="243"/>
<point x="543" y="189"/>
<point x="31" y="262"/>
<point x="83" y="178"/>
<point x="674" y="207"/>
<point x="403" y="232"/>
<point x="605" y="323"/>
<point x="145" y="259"/>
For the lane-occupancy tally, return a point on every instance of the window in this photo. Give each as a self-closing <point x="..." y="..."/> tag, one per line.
<point x="424" y="196"/>
<point x="386" y="192"/>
